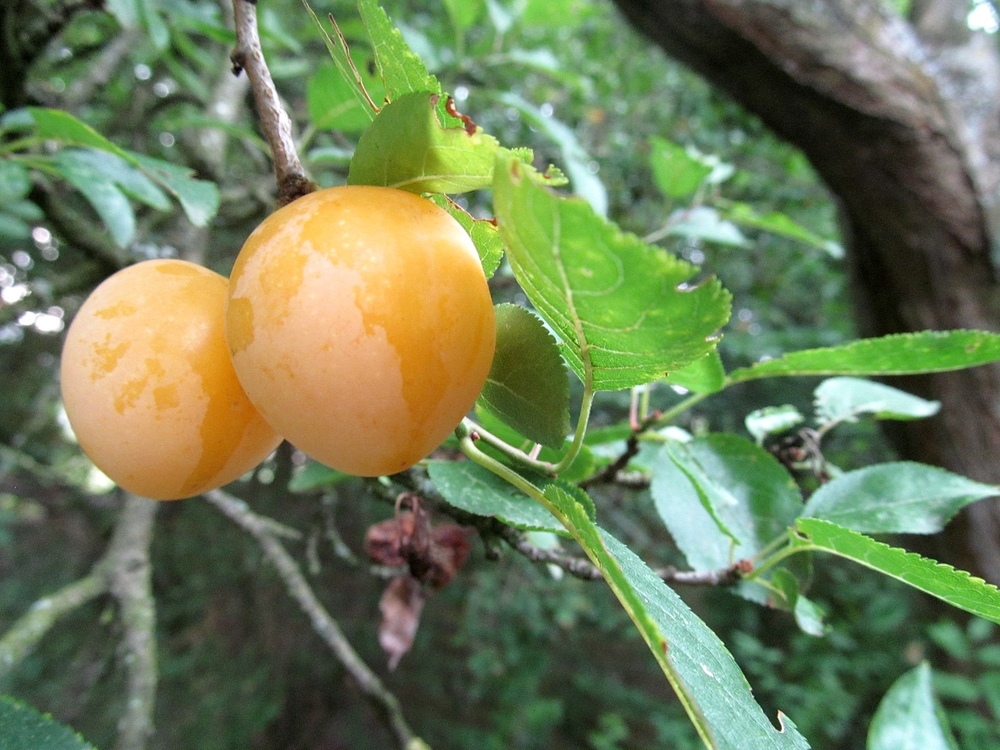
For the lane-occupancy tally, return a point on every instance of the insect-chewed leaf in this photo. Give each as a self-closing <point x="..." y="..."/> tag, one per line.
<point x="407" y="147"/>
<point x="483" y="232"/>
<point x="527" y="387"/>
<point x="626" y="312"/>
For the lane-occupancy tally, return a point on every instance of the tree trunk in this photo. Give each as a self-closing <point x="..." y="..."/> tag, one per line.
<point x="901" y="119"/>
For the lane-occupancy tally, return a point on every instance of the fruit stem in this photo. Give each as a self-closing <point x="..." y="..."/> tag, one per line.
<point x="671" y="414"/>
<point x="468" y="446"/>
<point x="578" y="435"/>
<point x="514" y="454"/>
<point x="519" y="456"/>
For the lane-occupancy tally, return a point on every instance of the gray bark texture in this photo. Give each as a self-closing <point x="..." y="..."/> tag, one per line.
<point x="901" y="119"/>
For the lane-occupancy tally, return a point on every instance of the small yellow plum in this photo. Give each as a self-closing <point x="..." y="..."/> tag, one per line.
<point x="149" y="387"/>
<point x="361" y="326"/>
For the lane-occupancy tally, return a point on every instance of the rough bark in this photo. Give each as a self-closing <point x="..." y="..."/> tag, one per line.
<point x="901" y="119"/>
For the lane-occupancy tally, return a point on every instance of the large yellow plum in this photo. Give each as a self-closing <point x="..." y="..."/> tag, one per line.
<point x="361" y="326"/>
<point x="149" y="388"/>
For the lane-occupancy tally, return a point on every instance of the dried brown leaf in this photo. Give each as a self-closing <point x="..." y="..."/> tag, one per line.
<point x="401" y="605"/>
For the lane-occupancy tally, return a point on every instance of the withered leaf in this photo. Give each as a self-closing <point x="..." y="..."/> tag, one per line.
<point x="433" y="555"/>
<point x="401" y="605"/>
<point x="448" y="550"/>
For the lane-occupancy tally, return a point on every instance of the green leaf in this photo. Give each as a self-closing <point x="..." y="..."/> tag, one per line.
<point x="56" y="125"/>
<point x="154" y="25"/>
<point x="704" y="375"/>
<point x="808" y="615"/>
<point x="407" y="147"/>
<point x="24" y="728"/>
<point x="705" y="224"/>
<point x="312" y="475"/>
<point x="108" y="201"/>
<point x="26" y="210"/>
<point x="241" y="131"/>
<point x="676" y="172"/>
<point x="910" y="716"/>
<point x="772" y="420"/>
<point x="701" y="671"/>
<point x="15" y="181"/>
<point x="623" y="310"/>
<point x="484" y="233"/>
<point x="722" y="498"/>
<point x="333" y="101"/>
<point x="402" y="71"/>
<point x="464" y="13"/>
<point x="105" y="179"/>
<point x="956" y="587"/>
<point x="124" y="174"/>
<point x="198" y="198"/>
<point x="845" y="398"/>
<point x="895" y="498"/>
<point x="340" y="54"/>
<point x="132" y="14"/>
<point x="477" y="490"/>
<point x="780" y="224"/>
<point x="898" y="354"/>
<point x="527" y="386"/>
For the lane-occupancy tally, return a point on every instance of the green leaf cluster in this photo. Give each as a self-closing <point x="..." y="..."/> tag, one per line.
<point x="110" y="178"/>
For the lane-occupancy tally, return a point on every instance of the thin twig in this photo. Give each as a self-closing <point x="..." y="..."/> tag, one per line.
<point x="274" y="120"/>
<point x="578" y="567"/>
<point x="610" y="472"/>
<point x="32" y="626"/>
<point x="322" y="622"/>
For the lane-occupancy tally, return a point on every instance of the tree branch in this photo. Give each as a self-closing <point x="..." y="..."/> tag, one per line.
<point x="579" y="567"/>
<point x="129" y="580"/>
<point x="124" y="572"/>
<point x="323" y="623"/>
<point x="22" y="637"/>
<point x="277" y="127"/>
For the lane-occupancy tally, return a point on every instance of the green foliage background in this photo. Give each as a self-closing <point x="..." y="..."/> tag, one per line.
<point x="511" y="655"/>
